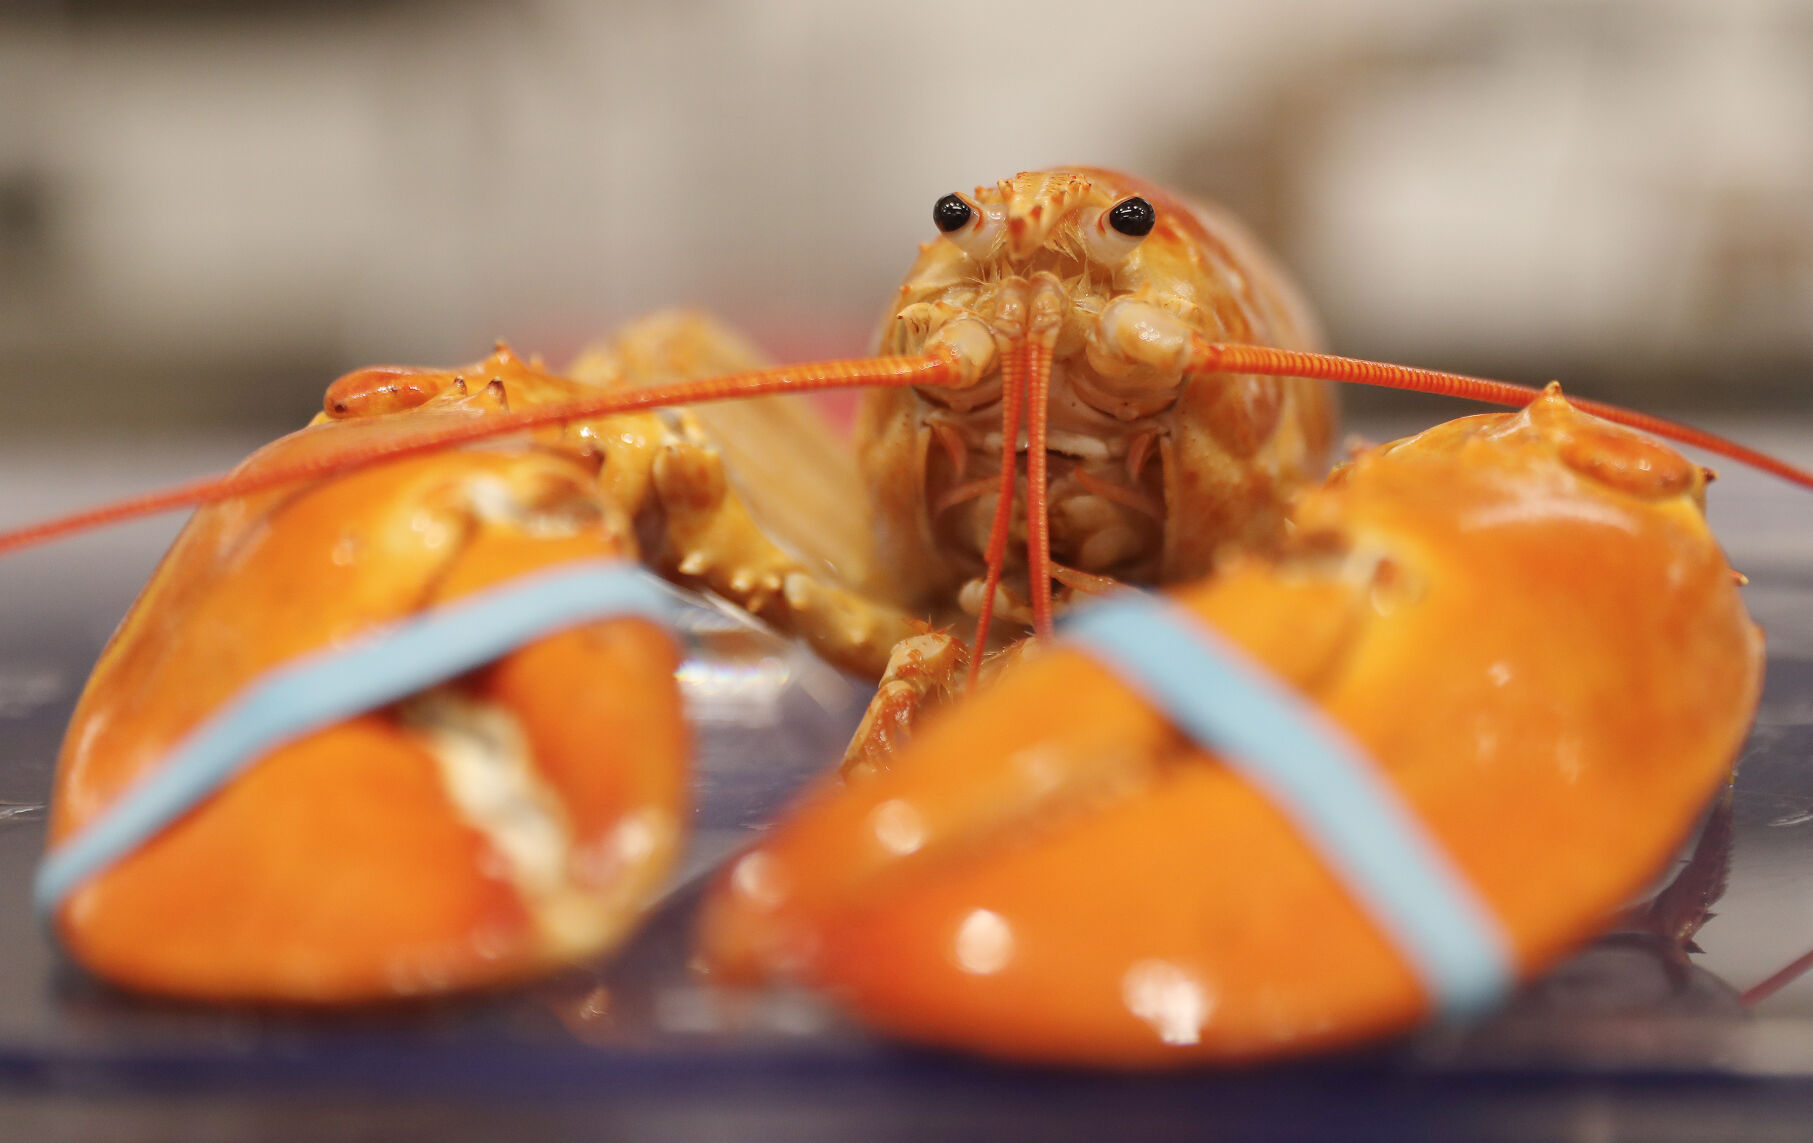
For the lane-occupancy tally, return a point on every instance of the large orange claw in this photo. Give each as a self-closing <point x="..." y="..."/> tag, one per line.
<point x="511" y="819"/>
<point x="1522" y="618"/>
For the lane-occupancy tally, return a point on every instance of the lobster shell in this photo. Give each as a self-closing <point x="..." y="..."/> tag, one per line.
<point x="346" y="865"/>
<point x="1522" y="618"/>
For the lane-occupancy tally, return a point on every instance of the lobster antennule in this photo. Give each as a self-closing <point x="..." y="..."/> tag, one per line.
<point x="1038" y="523"/>
<point x="1221" y="357"/>
<point x="1013" y="367"/>
<point x="850" y="373"/>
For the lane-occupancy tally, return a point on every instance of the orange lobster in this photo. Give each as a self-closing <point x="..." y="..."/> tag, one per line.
<point x="1050" y="869"/>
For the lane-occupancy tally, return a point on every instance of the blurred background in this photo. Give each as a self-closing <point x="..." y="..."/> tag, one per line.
<point x="210" y="209"/>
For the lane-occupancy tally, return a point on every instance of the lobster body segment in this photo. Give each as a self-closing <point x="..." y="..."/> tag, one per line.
<point x="1522" y="618"/>
<point x="478" y="832"/>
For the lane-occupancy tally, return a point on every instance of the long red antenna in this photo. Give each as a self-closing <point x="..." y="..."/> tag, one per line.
<point x="1778" y="980"/>
<point x="1013" y="367"/>
<point x="1218" y="357"/>
<point x="841" y="374"/>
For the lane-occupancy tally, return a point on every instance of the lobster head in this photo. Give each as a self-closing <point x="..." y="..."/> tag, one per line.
<point x="1070" y="301"/>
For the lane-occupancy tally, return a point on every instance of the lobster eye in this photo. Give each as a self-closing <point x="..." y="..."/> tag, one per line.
<point x="1133" y="217"/>
<point x="950" y="213"/>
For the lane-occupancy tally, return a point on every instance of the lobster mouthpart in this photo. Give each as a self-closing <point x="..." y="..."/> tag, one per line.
<point x="1521" y="619"/>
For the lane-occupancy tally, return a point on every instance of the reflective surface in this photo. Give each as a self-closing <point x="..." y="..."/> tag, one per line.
<point x="1633" y="1028"/>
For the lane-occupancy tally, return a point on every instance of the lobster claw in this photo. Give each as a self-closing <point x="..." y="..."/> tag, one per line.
<point x="512" y="818"/>
<point x="1523" y="623"/>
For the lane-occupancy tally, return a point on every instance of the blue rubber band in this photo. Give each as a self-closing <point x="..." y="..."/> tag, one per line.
<point x="325" y="687"/>
<point x="1319" y="779"/>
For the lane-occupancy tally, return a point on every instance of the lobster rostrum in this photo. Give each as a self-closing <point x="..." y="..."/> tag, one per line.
<point x="1084" y="382"/>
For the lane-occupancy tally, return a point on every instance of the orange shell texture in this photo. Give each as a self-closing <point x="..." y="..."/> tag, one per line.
<point x="1523" y="618"/>
<point x="339" y="867"/>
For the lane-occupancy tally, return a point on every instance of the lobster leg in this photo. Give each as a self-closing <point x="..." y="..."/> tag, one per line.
<point x="925" y="674"/>
<point x="751" y="499"/>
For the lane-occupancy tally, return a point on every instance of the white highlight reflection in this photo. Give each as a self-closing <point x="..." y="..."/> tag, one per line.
<point x="898" y="827"/>
<point x="1168" y="998"/>
<point x="744" y="694"/>
<point x="985" y="943"/>
<point x="757" y="879"/>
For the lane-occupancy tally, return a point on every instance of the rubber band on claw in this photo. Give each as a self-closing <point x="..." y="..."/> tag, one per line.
<point x="1320" y="780"/>
<point x="320" y="689"/>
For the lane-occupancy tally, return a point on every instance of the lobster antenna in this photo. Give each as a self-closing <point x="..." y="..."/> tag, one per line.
<point x="1013" y="367"/>
<point x="849" y="373"/>
<point x="1221" y="357"/>
<point x="1778" y="980"/>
